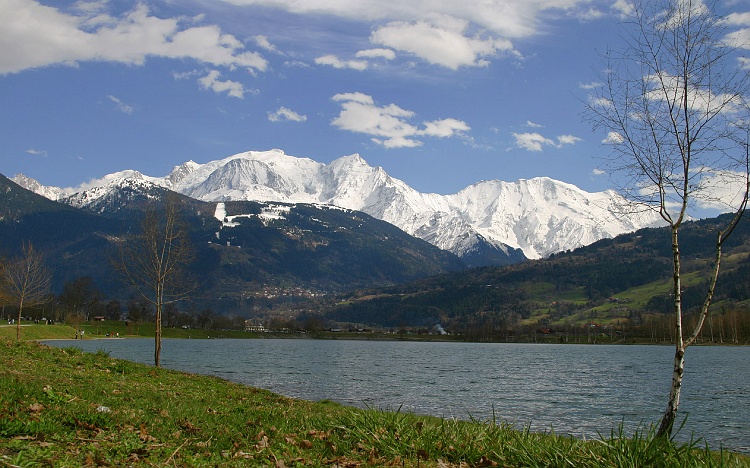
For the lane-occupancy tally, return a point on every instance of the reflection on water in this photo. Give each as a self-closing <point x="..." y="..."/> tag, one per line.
<point x="574" y="389"/>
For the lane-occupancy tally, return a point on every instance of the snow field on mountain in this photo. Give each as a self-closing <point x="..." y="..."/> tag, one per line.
<point x="540" y="216"/>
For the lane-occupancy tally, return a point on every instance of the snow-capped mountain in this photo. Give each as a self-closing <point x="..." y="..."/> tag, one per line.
<point x="538" y="216"/>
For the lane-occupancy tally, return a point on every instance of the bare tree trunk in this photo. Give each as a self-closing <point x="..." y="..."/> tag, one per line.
<point x="157" y="331"/>
<point x="18" y="322"/>
<point x="667" y="421"/>
<point x="157" y="344"/>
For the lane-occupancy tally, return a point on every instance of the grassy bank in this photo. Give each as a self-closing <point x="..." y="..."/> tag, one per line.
<point x="93" y="330"/>
<point x="63" y="407"/>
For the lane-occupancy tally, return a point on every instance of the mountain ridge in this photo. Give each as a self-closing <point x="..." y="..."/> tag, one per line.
<point x="248" y="254"/>
<point x="508" y="221"/>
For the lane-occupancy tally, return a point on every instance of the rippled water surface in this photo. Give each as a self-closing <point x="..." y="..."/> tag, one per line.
<point x="574" y="389"/>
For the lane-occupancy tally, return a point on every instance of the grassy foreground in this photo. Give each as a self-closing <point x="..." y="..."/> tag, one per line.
<point x="63" y="407"/>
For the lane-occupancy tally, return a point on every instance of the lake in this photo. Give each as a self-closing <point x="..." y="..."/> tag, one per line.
<point x="571" y="389"/>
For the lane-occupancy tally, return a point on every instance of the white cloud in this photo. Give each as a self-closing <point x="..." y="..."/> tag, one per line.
<point x="598" y="172"/>
<point x="506" y="18"/>
<point x="613" y="138"/>
<point x="738" y="19"/>
<point x="590" y="14"/>
<point x="389" y="125"/>
<point x="121" y="106"/>
<point x="452" y="34"/>
<point x="356" y="97"/>
<point x="534" y="141"/>
<point x="36" y="152"/>
<point x="625" y="8"/>
<point x="212" y="82"/>
<point x="722" y="190"/>
<point x="667" y="87"/>
<point x="186" y="75"/>
<point x="440" y="45"/>
<point x="284" y="114"/>
<point x="567" y="140"/>
<point x="264" y="43"/>
<point x="336" y="62"/>
<point x="386" y="54"/>
<point x="600" y="101"/>
<point x="33" y="35"/>
<point x="445" y="128"/>
<point x="531" y="124"/>
<point x="360" y="64"/>
<point x="590" y="86"/>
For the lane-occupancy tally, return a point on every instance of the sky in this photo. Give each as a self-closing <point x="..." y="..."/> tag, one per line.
<point x="440" y="93"/>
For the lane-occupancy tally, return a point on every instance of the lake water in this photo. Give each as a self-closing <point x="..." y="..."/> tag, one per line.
<point x="571" y="389"/>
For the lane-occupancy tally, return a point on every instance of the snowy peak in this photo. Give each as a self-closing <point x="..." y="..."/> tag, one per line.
<point x="115" y="193"/>
<point x="52" y="193"/>
<point x="181" y="172"/>
<point x="537" y="216"/>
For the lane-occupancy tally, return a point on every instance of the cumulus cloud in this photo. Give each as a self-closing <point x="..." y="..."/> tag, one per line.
<point x="567" y="140"/>
<point x="613" y="138"/>
<point x="213" y="83"/>
<point x="284" y="114"/>
<point x="506" y="18"/>
<point x="335" y="62"/>
<point x="623" y="7"/>
<point x="389" y="125"/>
<point x="447" y="33"/>
<point x="33" y="35"/>
<point x="440" y="45"/>
<point x="721" y="190"/>
<point x="121" y="106"/>
<point x="534" y="141"/>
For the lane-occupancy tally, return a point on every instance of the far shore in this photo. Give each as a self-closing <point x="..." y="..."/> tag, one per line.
<point x="109" y="330"/>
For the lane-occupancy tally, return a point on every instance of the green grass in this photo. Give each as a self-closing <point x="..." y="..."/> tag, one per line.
<point x="63" y="407"/>
<point x="30" y="331"/>
<point x="38" y="332"/>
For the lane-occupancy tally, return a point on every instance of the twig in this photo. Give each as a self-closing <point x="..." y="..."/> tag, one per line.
<point x="171" y="457"/>
<point x="8" y="464"/>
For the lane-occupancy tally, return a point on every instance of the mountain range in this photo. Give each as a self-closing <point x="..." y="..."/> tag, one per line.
<point x="488" y="223"/>
<point x="248" y="255"/>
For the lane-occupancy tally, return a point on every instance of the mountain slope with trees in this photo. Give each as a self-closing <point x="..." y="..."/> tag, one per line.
<point x="255" y="259"/>
<point x="613" y="281"/>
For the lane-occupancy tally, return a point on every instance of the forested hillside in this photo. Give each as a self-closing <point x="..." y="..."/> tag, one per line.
<point x="621" y="281"/>
<point x="258" y="256"/>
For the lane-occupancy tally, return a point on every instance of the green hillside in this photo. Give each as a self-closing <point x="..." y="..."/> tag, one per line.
<point x="622" y="282"/>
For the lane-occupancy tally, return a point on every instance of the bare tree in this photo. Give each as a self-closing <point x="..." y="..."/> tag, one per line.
<point x="673" y="106"/>
<point x="154" y="262"/>
<point x="80" y="296"/>
<point x="25" y="281"/>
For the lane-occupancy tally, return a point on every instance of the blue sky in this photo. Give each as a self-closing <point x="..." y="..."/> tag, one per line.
<point x="440" y="93"/>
